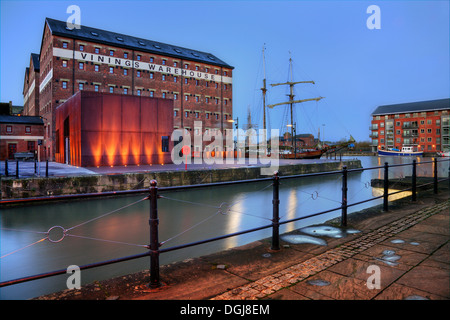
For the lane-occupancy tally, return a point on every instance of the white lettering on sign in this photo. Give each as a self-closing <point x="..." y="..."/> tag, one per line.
<point x="140" y="65"/>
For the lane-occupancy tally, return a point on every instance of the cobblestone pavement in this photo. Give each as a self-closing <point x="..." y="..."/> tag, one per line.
<point x="295" y="274"/>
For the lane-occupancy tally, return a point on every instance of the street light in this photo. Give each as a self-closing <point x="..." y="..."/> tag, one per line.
<point x="294" y="142"/>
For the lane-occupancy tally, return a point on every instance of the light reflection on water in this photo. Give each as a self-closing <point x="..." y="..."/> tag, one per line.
<point x="250" y="205"/>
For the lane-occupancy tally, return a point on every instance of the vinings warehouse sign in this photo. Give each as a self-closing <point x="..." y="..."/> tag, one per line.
<point x="139" y="65"/>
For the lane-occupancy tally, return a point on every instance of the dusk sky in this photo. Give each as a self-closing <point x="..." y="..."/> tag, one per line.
<point x="355" y="68"/>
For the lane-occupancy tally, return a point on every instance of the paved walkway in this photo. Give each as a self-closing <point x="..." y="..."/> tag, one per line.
<point x="400" y="254"/>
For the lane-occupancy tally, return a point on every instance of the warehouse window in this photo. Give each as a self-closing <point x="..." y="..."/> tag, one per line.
<point x="165" y="144"/>
<point x="97" y="50"/>
<point x="139" y="92"/>
<point x="111" y="69"/>
<point x="138" y="57"/>
<point x="125" y="55"/>
<point x="64" y="84"/>
<point x="96" y="87"/>
<point x="81" y="65"/>
<point x="125" y="90"/>
<point x="125" y="72"/>
<point x="138" y="73"/>
<point x="111" y="53"/>
<point x="64" y="63"/>
<point x="96" y="68"/>
<point x="81" y="47"/>
<point x="111" y="89"/>
<point x="152" y="75"/>
<point x="65" y="45"/>
<point x="81" y="86"/>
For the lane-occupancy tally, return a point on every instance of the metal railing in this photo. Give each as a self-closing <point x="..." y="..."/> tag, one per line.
<point x="154" y="248"/>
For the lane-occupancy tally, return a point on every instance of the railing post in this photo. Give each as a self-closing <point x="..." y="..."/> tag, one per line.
<point x="46" y="168"/>
<point x="386" y="187"/>
<point x="154" y="242"/>
<point x="435" y="177"/>
<point x="17" y="169"/>
<point x="276" y="213"/>
<point x="6" y="167"/>
<point x="414" y="180"/>
<point x="344" y="197"/>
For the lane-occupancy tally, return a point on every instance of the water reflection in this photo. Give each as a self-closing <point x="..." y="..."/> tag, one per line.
<point x="183" y="217"/>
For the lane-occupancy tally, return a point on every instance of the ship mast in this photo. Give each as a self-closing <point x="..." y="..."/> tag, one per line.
<point x="264" y="90"/>
<point x="291" y="101"/>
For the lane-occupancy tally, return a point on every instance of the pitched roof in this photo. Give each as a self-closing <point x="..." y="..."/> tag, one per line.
<point x="430" y="105"/>
<point x="21" y="119"/>
<point x="36" y="62"/>
<point x="125" y="41"/>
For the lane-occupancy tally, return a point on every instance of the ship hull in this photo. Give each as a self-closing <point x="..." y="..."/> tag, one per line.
<point x="399" y="153"/>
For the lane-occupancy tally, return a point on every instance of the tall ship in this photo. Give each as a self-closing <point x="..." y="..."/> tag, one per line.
<point x="298" y="153"/>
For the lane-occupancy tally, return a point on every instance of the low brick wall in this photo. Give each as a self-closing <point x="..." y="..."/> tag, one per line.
<point x="38" y="187"/>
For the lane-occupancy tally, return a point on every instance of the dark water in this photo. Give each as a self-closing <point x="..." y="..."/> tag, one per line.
<point x="97" y="232"/>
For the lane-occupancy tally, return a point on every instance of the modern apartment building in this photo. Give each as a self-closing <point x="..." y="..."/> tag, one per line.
<point x="424" y="124"/>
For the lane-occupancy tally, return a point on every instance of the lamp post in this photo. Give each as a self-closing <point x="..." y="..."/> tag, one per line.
<point x="294" y="142"/>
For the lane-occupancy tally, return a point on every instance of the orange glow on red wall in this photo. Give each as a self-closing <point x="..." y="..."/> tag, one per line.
<point x="112" y="129"/>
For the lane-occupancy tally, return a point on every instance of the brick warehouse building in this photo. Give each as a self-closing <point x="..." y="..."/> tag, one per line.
<point x="199" y="83"/>
<point x="424" y="124"/>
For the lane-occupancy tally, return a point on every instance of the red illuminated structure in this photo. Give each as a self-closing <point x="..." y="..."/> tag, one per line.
<point x="102" y="129"/>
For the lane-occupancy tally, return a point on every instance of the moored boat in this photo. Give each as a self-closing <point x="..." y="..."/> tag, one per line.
<point x="405" y="151"/>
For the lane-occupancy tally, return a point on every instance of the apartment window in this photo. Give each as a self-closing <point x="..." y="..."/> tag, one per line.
<point x="111" y="89"/>
<point x="96" y="87"/>
<point x="28" y="129"/>
<point x="428" y="130"/>
<point x="64" y="84"/>
<point x="96" y="68"/>
<point x="138" y="92"/>
<point x="429" y="122"/>
<point x="65" y="45"/>
<point x="138" y="73"/>
<point x="81" y="86"/>
<point x="97" y="50"/>
<point x="111" y="69"/>
<point x="125" y="90"/>
<point x="81" y="65"/>
<point x="81" y="47"/>
<point x="64" y="63"/>
<point x="111" y="53"/>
